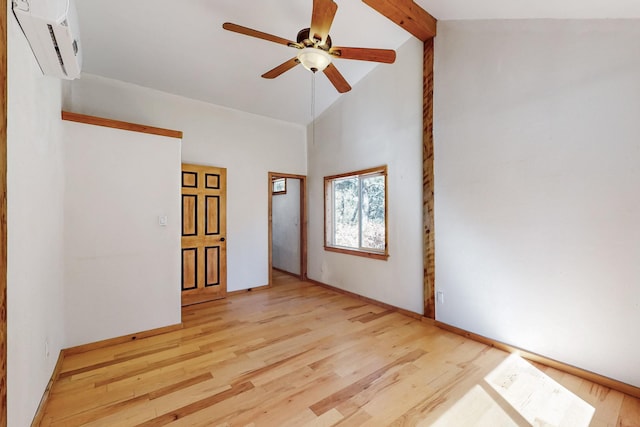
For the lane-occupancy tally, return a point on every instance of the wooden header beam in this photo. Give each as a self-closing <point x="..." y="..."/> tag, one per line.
<point x="116" y="124"/>
<point x="407" y="14"/>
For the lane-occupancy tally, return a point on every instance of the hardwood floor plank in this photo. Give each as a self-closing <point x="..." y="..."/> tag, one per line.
<point x="153" y="366"/>
<point x="346" y="393"/>
<point x="629" y="413"/>
<point x="116" y="360"/>
<point x="268" y="342"/>
<point x="99" y="412"/>
<point x="225" y="412"/>
<point x="303" y="355"/>
<point x="181" y="399"/>
<point x="198" y="405"/>
<point x="285" y="401"/>
<point x="327" y="419"/>
<point x="386" y="399"/>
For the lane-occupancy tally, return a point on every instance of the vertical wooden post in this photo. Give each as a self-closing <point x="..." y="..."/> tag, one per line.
<point x="429" y="249"/>
<point x="417" y="21"/>
<point x="3" y="213"/>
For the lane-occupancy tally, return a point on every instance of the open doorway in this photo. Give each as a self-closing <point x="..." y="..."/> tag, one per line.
<point x="287" y="225"/>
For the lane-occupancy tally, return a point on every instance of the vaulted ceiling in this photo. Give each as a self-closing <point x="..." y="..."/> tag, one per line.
<point x="181" y="48"/>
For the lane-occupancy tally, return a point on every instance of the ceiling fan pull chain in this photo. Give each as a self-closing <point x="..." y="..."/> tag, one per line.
<point x="313" y="109"/>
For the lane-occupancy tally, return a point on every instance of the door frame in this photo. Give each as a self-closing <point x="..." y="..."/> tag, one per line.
<point x="303" y="222"/>
<point x="3" y="214"/>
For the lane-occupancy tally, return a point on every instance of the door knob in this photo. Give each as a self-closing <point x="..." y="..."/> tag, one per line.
<point x="222" y="239"/>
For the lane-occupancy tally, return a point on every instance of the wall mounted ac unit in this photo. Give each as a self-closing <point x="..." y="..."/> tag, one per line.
<point x="51" y="27"/>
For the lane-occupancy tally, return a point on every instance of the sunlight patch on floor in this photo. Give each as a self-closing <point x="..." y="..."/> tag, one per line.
<point x="477" y="408"/>
<point x="537" y="397"/>
<point x="518" y="394"/>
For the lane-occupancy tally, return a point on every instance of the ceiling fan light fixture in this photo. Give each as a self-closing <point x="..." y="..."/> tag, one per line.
<point x="314" y="59"/>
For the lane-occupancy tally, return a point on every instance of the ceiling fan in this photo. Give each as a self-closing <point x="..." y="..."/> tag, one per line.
<point x="316" y="49"/>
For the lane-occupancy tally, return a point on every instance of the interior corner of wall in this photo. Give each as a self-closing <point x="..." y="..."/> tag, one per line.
<point x="67" y="95"/>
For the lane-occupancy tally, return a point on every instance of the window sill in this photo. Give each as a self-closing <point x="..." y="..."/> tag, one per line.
<point x="373" y="255"/>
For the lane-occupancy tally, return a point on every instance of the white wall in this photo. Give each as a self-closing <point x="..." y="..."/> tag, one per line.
<point x="35" y="228"/>
<point x="122" y="269"/>
<point x="249" y="146"/>
<point x="379" y="122"/>
<point x="536" y="197"/>
<point x="285" y="228"/>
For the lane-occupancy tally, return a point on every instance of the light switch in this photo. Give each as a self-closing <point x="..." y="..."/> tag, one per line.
<point x="162" y="220"/>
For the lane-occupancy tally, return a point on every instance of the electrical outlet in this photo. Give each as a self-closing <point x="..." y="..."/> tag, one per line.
<point x="440" y="297"/>
<point x="46" y="348"/>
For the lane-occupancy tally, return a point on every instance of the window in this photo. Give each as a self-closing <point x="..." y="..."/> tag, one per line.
<point x="279" y="186"/>
<point x="355" y="213"/>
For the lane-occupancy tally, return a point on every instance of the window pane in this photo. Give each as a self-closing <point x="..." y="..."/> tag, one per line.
<point x="345" y="202"/>
<point x="279" y="185"/>
<point x="373" y="224"/>
<point x="355" y="213"/>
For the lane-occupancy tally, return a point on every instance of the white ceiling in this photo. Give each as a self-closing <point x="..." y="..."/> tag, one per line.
<point x="531" y="9"/>
<point x="180" y="47"/>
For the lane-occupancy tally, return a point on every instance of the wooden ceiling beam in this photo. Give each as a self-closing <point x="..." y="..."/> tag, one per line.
<point x="407" y="14"/>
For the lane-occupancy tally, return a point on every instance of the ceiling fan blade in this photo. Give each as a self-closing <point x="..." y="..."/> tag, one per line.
<point x="387" y="56"/>
<point x="259" y="34"/>
<point x="285" y="66"/>
<point x="321" y="19"/>
<point x="337" y="79"/>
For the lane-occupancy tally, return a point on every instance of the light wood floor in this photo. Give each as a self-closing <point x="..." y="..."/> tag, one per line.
<point x="299" y="355"/>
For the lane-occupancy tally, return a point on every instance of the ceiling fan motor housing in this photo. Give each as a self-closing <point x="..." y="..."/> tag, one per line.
<point x="305" y="40"/>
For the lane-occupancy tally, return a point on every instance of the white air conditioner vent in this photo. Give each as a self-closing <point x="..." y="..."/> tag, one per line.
<point x="57" y="49"/>
<point x="51" y="27"/>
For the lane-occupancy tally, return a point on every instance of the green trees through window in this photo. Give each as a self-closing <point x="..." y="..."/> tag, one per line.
<point x="356" y="209"/>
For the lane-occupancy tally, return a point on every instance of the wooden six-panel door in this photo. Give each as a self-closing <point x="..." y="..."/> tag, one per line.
<point x="204" y="226"/>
